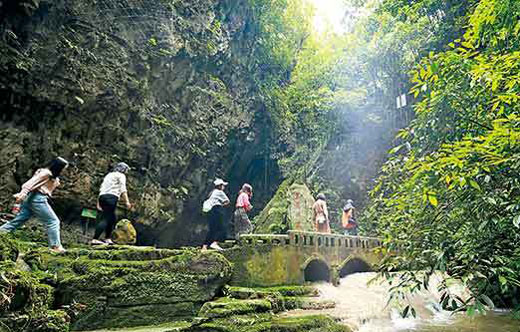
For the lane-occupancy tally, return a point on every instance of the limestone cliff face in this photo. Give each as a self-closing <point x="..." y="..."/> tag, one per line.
<point x="163" y="85"/>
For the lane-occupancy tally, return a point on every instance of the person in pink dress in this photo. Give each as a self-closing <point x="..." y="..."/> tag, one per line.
<point x="243" y="206"/>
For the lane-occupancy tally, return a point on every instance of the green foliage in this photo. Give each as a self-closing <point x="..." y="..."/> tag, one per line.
<point x="448" y="198"/>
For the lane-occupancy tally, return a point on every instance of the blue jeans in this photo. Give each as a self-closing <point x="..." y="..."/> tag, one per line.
<point x="36" y="205"/>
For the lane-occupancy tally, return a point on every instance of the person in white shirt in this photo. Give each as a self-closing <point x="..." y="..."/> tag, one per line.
<point x="112" y="188"/>
<point x="214" y="207"/>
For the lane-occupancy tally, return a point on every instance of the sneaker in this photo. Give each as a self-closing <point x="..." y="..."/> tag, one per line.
<point x="58" y="250"/>
<point x="109" y="241"/>
<point x="215" y="246"/>
<point x="96" y="242"/>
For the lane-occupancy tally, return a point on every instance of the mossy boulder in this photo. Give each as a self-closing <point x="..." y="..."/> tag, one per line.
<point x="124" y="233"/>
<point x="128" y="286"/>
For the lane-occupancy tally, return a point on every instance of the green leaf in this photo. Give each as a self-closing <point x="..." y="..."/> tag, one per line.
<point x="433" y="200"/>
<point x="502" y="280"/>
<point x="474" y="184"/>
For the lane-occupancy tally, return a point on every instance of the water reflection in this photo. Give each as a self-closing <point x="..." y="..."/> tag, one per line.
<point x="364" y="308"/>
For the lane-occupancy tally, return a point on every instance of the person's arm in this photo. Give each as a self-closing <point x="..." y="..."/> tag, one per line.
<point x="124" y="196"/>
<point x="222" y="197"/>
<point x="33" y="183"/>
<point x="247" y="204"/>
<point x="124" y="192"/>
<point x="325" y="211"/>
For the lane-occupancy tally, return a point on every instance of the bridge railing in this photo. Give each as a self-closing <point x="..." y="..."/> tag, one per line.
<point x="312" y="239"/>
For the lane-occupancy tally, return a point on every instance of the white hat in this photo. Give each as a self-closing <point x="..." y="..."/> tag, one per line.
<point x="219" y="182"/>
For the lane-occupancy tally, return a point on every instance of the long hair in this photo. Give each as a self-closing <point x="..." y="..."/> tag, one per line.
<point x="246" y="188"/>
<point x="56" y="166"/>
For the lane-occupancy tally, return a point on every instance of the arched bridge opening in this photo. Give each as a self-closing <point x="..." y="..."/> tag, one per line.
<point x="316" y="270"/>
<point x="354" y="265"/>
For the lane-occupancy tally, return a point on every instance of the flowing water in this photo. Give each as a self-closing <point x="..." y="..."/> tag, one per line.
<point x="364" y="308"/>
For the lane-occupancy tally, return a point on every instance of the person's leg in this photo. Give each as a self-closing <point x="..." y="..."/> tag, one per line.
<point x="111" y="205"/>
<point x="101" y="225"/>
<point x="216" y="228"/>
<point x="220" y="230"/>
<point x="44" y="212"/>
<point x="236" y="224"/>
<point x="22" y="216"/>
<point x="108" y="205"/>
<point x="211" y="229"/>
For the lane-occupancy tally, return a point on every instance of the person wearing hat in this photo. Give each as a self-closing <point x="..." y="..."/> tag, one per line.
<point x="243" y="206"/>
<point x="321" y="214"/>
<point x="214" y="207"/>
<point x="112" y="188"/>
<point x="347" y="219"/>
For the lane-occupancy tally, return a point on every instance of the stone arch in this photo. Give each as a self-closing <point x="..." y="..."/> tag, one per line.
<point x="316" y="269"/>
<point x="354" y="265"/>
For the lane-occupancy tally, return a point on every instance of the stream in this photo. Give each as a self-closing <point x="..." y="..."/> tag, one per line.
<point x="363" y="308"/>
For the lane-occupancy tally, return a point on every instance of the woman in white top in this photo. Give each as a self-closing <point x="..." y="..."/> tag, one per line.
<point x="214" y="207"/>
<point x="112" y="188"/>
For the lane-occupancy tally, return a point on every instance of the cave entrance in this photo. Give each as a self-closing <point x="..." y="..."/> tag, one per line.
<point x="316" y="270"/>
<point x="354" y="265"/>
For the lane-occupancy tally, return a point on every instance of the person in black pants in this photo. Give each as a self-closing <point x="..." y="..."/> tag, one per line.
<point x="214" y="207"/>
<point x="113" y="187"/>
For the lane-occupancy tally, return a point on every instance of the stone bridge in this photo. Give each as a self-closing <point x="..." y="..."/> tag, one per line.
<point x="298" y="257"/>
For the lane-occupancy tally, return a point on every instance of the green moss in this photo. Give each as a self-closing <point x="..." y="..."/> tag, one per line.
<point x="225" y="307"/>
<point x="263" y="292"/>
<point x="9" y="248"/>
<point x="270" y="323"/>
<point x="273" y="216"/>
<point x="44" y="321"/>
<point x="128" y="286"/>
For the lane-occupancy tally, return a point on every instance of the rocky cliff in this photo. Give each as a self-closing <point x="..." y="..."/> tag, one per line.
<point x="165" y="86"/>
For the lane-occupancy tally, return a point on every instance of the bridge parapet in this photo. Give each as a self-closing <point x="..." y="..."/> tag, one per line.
<point x="311" y="239"/>
<point x="299" y="256"/>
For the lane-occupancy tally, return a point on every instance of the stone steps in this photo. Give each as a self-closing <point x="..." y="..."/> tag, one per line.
<point x="245" y="301"/>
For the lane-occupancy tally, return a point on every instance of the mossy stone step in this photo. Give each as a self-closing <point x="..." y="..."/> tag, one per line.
<point x="269" y="323"/>
<point x="306" y="303"/>
<point x="225" y="307"/>
<point x="259" y="293"/>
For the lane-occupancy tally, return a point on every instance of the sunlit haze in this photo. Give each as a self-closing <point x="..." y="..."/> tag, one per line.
<point x="328" y="12"/>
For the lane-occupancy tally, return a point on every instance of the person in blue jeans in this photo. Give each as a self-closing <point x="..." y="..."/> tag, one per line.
<point x="34" y="202"/>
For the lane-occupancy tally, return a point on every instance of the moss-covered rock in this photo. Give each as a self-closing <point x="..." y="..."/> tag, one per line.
<point x="26" y="301"/>
<point x="9" y="249"/>
<point x="270" y="323"/>
<point x="263" y="292"/>
<point x="131" y="286"/>
<point x="124" y="233"/>
<point x="289" y="209"/>
<point x="225" y="307"/>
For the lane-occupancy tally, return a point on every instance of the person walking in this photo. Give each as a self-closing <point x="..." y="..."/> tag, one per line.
<point x="321" y="215"/>
<point x="347" y="219"/>
<point x="214" y="207"/>
<point x="34" y="199"/>
<point x="112" y="188"/>
<point x="243" y="206"/>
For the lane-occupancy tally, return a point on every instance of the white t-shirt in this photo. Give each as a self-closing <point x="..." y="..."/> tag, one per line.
<point x="114" y="183"/>
<point x="217" y="197"/>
